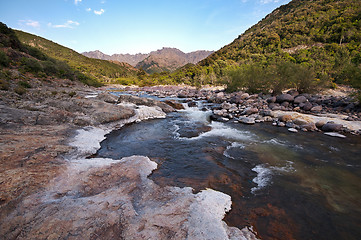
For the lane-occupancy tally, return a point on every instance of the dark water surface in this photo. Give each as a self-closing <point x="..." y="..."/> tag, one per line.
<point x="288" y="186"/>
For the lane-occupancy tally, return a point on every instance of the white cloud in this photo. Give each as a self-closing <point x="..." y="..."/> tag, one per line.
<point x="88" y="9"/>
<point x="100" y="12"/>
<point x="77" y="1"/>
<point x="30" y="23"/>
<point x="68" y="24"/>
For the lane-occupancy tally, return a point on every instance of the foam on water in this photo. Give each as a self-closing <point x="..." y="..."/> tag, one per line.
<point x="263" y="177"/>
<point x="195" y="115"/>
<point x="233" y="145"/>
<point x="265" y="172"/>
<point x="221" y="130"/>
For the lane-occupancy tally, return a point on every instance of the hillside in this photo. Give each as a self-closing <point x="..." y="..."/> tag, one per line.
<point x="103" y="70"/>
<point x="26" y="62"/>
<point x="165" y="59"/>
<point x="319" y="35"/>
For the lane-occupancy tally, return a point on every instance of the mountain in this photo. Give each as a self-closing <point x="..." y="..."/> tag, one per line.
<point x="323" y="36"/>
<point x="170" y="59"/>
<point x="165" y="59"/>
<point x="131" y="59"/>
<point x="104" y="71"/>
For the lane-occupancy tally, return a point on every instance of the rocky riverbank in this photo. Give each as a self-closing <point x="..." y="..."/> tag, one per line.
<point x="50" y="189"/>
<point x="298" y="112"/>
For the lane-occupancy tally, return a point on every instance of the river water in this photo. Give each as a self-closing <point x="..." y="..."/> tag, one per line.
<point x="286" y="185"/>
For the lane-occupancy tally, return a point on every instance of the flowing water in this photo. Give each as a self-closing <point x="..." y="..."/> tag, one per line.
<point x="286" y="185"/>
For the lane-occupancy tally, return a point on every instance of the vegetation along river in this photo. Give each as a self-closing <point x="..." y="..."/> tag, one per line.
<point x="288" y="186"/>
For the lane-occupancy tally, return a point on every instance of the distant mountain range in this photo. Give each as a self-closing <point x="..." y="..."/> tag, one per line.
<point x="165" y="59"/>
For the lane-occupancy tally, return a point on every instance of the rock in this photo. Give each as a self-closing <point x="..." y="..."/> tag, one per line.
<point x="320" y="124"/>
<point x="285" y="118"/>
<point x="307" y="106"/>
<point x="293" y="130"/>
<point x="290" y="125"/>
<point x="106" y="112"/>
<point x="226" y="105"/>
<point x="244" y="96"/>
<point x="247" y="120"/>
<point x="317" y="108"/>
<point x="300" y="122"/>
<point x="192" y="104"/>
<point x="266" y="112"/>
<point x="293" y="93"/>
<point x="309" y="126"/>
<point x="284" y="97"/>
<point x="146" y="102"/>
<point x="285" y="104"/>
<point x="249" y="111"/>
<point x="331" y="127"/>
<point x="181" y="95"/>
<point x="333" y="134"/>
<point x="281" y="124"/>
<point x="174" y="104"/>
<point x="300" y="99"/>
<point x="271" y="100"/>
<point x="107" y="97"/>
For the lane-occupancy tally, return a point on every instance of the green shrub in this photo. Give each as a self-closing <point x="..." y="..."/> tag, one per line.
<point x="20" y="90"/>
<point x="4" y="84"/>
<point x="72" y="94"/>
<point x="36" y="53"/>
<point x="4" y="59"/>
<point x="50" y="68"/>
<point x="31" y="65"/>
<point x="24" y="84"/>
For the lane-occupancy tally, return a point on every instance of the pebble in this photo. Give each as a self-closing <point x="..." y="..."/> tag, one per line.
<point x="293" y="130"/>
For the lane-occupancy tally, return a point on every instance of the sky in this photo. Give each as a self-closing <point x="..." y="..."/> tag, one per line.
<point x="136" y="26"/>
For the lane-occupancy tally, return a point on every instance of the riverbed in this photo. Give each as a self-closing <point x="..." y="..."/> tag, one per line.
<point x="286" y="185"/>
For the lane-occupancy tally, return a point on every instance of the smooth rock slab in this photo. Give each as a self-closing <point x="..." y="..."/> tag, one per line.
<point x="333" y="134"/>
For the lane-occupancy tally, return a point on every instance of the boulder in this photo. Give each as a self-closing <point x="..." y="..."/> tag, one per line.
<point x="271" y="100"/>
<point x="317" y="108"/>
<point x="331" y="127"/>
<point x="293" y="93"/>
<point x="192" y="104"/>
<point x="226" y="105"/>
<point x="244" y="96"/>
<point x="249" y="111"/>
<point x="285" y="118"/>
<point x="300" y="99"/>
<point x="107" y="97"/>
<point x="174" y="104"/>
<point x="106" y="112"/>
<point x="247" y="120"/>
<point x="284" y="98"/>
<point x="320" y="124"/>
<point x="307" y="106"/>
<point x="146" y="102"/>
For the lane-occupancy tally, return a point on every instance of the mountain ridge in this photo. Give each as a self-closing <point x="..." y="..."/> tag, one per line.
<point x="165" y="59"/>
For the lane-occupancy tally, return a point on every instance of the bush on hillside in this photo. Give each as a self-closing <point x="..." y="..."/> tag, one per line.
<point x="31" y="65"/>
<point x="4" y="59"/>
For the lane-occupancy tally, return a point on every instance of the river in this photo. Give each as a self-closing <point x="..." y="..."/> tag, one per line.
<point x="302" y="185"/>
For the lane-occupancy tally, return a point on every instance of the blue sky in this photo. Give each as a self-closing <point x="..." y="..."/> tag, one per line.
<point x="136" y="26"/>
